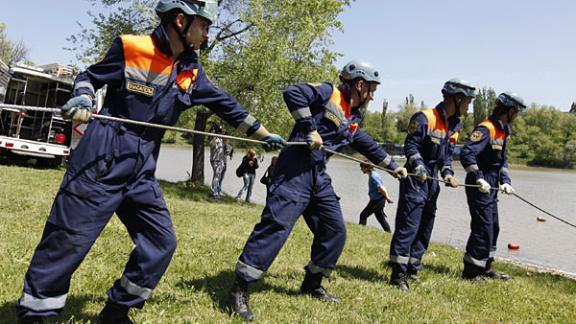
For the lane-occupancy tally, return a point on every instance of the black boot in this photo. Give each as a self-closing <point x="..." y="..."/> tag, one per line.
<point x="32" y="320"/>
<point x="490" y="273"/>
<point x="413" y="275"/>
<point x="238" y="300"/>
<point x="113" y="313"/>
<point x="312" y="285"/>
<point x="472" y="273"/>
<point x="398" y="279"/>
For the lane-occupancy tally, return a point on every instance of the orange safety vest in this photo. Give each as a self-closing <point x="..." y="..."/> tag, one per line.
<point x="437" y="129"/>
<point x="497" y="135"/>
<point x="145" y="65"/>
<point x="339" y="108"/>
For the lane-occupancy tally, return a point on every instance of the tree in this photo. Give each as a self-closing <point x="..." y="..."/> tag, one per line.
<point x="573" y="108"/>
<point x="405" y="113"/>
<point x="10" y="52"/>
<point x="257" y="49"/>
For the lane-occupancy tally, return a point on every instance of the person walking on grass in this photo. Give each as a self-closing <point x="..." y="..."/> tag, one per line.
<point x="432" y="135"/>
<point x="378" y="197"/>
<point x="249" y="166"/>
<point x="484" y="159"/>
<point x="326" y="116"/>
<point x="151" y="78"/>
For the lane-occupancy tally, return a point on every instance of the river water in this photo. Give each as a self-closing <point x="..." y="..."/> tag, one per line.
<point x="549" y="244"/>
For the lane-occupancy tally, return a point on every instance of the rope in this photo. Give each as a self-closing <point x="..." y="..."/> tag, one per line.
<point x="186" y="130"/>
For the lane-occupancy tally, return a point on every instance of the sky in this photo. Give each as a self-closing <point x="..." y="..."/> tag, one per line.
<point x="528" y="47"/>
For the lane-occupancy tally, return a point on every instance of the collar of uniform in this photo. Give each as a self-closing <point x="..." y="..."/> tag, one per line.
<point x="441" y="110"/>
<point x="160" y="38"/>
<point x="496" y="120"/>
<point x="454" y="123"/>
<point x="188" y="60"/>
<point x="345" y="91"/>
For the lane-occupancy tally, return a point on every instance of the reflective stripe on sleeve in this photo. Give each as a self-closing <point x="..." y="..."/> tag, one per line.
<point x="301" y="113"/>
<point x="447" y="167"/>
<point x="134" y="289"/>
<point x="414" y="157"/>
<point x="42" y="304"/>
<point x="84" y="84"/>
<point x="472" y="168"/>
<point x="386" y="162"/>
<point x="245" y="125"/>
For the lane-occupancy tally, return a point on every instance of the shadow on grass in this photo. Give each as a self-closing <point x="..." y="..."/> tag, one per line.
<point x="218" y="286"/>
<point x="359" y="273"/>
<point x="73" y="310"/>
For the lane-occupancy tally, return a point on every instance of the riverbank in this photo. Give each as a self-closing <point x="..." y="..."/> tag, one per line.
<point x="211" y="236"/>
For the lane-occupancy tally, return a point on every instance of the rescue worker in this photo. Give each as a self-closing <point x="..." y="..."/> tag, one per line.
<point x="151" y="78"/>
<point x="432" y="135"/>
<point x="326" y="116"/>
<point x="484" y="159"/>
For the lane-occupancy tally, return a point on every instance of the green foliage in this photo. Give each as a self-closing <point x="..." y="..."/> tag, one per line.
<point x="545" y="136"/>
<point x="11" y="52"/>
<point x="117" y="17"/>
<point x="407" y="110"/>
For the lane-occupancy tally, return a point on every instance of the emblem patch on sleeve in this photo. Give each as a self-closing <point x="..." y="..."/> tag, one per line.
<point x="476" y="136"/>
<point x="333" y="118"/>
<point x="140" y="88"/>
<point x="413" y="126"/>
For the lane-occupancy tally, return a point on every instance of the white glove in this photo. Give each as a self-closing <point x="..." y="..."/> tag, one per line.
<point x="314" y="140"/>
<point x="451" y="181"/>
<point x="484" y="186"/>
<point x="400" y="172"/>
<point x="507" y="188"/>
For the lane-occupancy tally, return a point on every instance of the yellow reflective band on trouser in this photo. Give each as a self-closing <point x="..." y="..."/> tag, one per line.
<point x="249" y="270"/>
<point x="399" y="259"/>
<point x="414" y="261"/>
<point x="476" y="262"/>
<point x="42" y="304"/>
<point x="134" y="289"/>
<point x="316" y="269"/>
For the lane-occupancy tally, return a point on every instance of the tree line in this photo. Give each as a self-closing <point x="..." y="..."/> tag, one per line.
<point x="542" y="136"/>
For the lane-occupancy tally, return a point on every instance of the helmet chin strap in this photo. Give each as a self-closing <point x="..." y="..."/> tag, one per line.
<point x="182" y="33"/>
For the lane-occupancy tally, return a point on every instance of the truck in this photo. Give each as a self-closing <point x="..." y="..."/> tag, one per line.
<point x="44" y="136"/>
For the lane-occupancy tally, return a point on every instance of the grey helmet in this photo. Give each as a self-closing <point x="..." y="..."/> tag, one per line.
<point x="456" y="85"/>
<point x="359" y="69"/>
<point x="204" y="8"/>
<point x="511" y="99"/>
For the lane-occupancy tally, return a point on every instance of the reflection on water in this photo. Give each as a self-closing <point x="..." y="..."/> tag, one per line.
<point x="550" y="244"/>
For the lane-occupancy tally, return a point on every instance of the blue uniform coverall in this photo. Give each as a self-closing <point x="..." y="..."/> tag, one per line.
<point x="112" y="171"/>
<point x="430" y="142"/>
<point x="484" y="157"/>
<point x="301" y="186"/>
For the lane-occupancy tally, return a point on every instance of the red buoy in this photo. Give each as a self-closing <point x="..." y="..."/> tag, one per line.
<point x="540" y="219"/>
<point x="513" y="246"/>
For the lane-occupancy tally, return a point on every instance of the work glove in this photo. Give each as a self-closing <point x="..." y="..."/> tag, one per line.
<point x="273" y="142"/>
<point x="78" y="109"/>
<point x="314" y="140"/>
<point x="484" y="186"/>
<point x="400" y="172"/>
<point x="451" y="181"/>
<point x="507" y="188"/>
<point x="421" y="173"/>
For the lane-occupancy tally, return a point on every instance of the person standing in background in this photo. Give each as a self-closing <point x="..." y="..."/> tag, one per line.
<point x="250" y="165"/>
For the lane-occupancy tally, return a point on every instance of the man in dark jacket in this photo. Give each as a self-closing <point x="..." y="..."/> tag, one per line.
<point x="153" y="79"/>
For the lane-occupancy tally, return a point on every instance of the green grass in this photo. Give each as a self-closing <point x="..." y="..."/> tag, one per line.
<point x="211" y="236"/>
